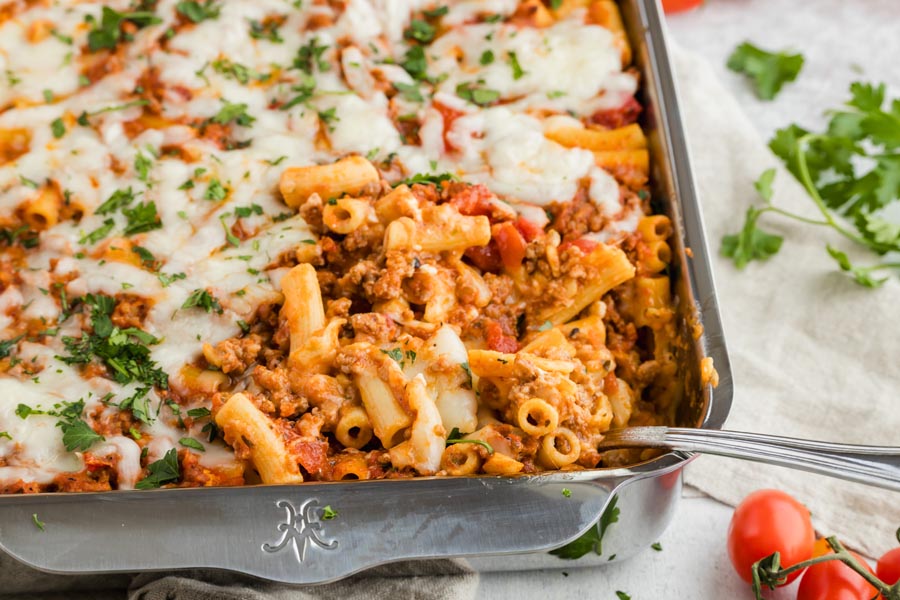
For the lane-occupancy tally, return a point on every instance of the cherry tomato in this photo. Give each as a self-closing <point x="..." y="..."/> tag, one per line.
<point x="766" y="522"/>
<point x="833" y="580"/>
<point x="673" y="6"/>
<point x="888" y="569"/>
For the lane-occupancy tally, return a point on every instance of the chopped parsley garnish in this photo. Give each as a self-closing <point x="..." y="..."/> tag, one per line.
<point x="427" y="178"/>
<point x="236" y="112"/>
<point x="108" y="32"/>
<point x="199" y="413"/>
<point x="305" y="90"/>
<point x="7" y="346"/>
<point x="567" y="492"/>
<point x="435" y="13"/>
<point x="215" y="190"/>
<point x="477" y="95"/>
<point x="141" y="218"/>
<point x="409" y="91"/>
<point x="310" y="56"/>
<point x="189" y="442"/>
<point x="123" y="352"/>
<point x="29" y="182"/>
<point x="415" y="64"/>
<point x="142" y="166"/>
<point x="37" y="522"/>
<point x="58" y="128"/>
<point x="167" y="280"/>
<point x="622" y="595"/>
<point x="201" y="298"/>
<point x="517" y="70"/>
<point x="99" y="233"/>
<point x="139" y="405"/>
<point x="456" y="437"/>
<point x="246" y="211"/>
<point x="65" y="39"/>
<point x="266" y="29"/>
<point x="118" y="199"/>
<point x="329" y="117"/>
<point x="328" y="513"/>
<point x="420" y="31"/>
<point x="656" y="546"/>
<point x="592" y="539"/>
<point x="468" y="371"/>
<point x="147" y="258"/>
<point x="238" y="72"/>
<point x="487" y="57"/>
<point x="197" y="11"/>
<point x="20" y="235"/>
<point x="160" y="472"/>
<point x="769" y="70"/>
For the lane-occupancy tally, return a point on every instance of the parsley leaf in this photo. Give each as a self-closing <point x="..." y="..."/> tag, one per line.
<point x="475" y="94"/>
<point x="420" y="31"/>
<point x="99" y="233"/>
<point x="58" y="128"/>
<point x="861" y="275"/>
<point x="310" y="55"/>
<point x="768" y="70"/>
<point x="118" y="199"/>
<point x="215" y="190"/>
<point x="751" y="243"/>
<point x="328" y="513"/>
<point x="6" y="346"/>
<point x="236" y="112"/>
<point x="415" y="64"/>
<point x="108" y="32"/>
<point x="456" y="437"/>
<point x="201" y="298"/>
<point x="517" y="70"/>
<point x="409" y="91"/>
<point x="592" y="539"/>
<point x="37" y="522"/>
<point x="198" y="12"/>
<point x="160" y="472"/>
<point x="427" y="178"/>
<point x="622" y="596"/>
<point x="189" y="442"/>
<point x="487" y="57"/>
<point x="141" y="218"/>
<point x="267" y="29"/>
<point x="78" y="435"/>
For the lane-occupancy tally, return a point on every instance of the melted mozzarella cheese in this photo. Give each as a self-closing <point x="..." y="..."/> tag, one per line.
<point x="568" y="67"/>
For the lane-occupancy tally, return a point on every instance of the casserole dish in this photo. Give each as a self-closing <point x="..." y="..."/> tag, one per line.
<point x="279" y="533"/>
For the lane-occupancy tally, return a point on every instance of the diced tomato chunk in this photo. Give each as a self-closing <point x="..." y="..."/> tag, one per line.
<point x="510" y="243"/>
<point x="472" y="200"/>
<point x="498" y="341"/>
<point x="584" y="244"/>
<point x="529" y="230"/>
<point x="614" y="118"/>
<point x="487" y="258"/>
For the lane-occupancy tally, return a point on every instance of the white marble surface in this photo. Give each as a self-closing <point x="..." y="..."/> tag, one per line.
<point x="842" y="42"/>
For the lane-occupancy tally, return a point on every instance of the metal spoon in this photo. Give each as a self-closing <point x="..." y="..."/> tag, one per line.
<point x="872" y="465"/>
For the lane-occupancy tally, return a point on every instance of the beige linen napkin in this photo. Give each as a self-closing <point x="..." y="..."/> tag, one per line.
<point x="814" y="355"/>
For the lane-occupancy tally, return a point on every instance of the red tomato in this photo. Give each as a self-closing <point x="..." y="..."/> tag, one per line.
<point x="487" y="258"/>
<point x="888" y="568"/>
<point x="510" y="243"/>
<point x="472" y="200"/>
<point x="529" y="230"/>
<point x="498" y="341"/>
<point x="766" y="522"/>
<point x="673" y="6"/>
<point x="584" y="244"/>
<point x="833" y="580"/>
<point x="614" y="118"/>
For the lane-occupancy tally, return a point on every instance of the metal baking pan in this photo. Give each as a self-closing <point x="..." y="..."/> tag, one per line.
<point x="275" y="532"/>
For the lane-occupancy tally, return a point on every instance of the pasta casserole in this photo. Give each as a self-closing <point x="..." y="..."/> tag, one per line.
<point x="279" y="241"/>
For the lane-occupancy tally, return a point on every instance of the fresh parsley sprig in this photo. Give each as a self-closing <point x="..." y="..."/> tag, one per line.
<point x="456" y="437"/>
<point x="851" y="172"/>
<point x="161" y="472"/>
<point x="769" y="70"/>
